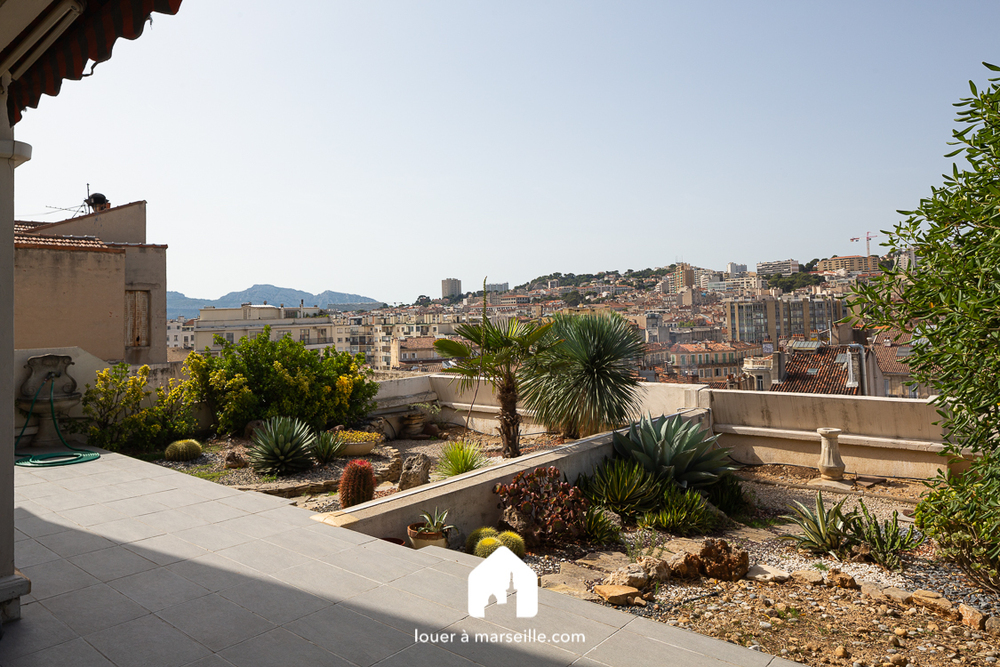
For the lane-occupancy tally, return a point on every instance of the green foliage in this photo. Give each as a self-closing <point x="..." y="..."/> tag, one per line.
<point x="623" y="486"/>
<point x="585" y="383"/>
<point x="884" y="539"/>
<point x="487" y="546"/>
<point x="328" y="445"/>
<point x="434" y="522"/>
<point x="728" y="495"/>
<point x="182" y="450"/>
<point x="459" y="457"/>
<point x="479" y="533"/>
<point x="682" y="512"/>
<point x="948" y="300"/>
<point x="794" y="281"/>
<point x="962" y="514"/>
<point x="541" y="507"/>
<point x="260" y="378"/>
<point x="824" y="531"/>
<point x="514" y="542"/>
<point x="600" y="528"/>
<point x="672" y="448"/>
<point x="120" y="412"/>
<point x="281" y="447"/>
<point x="357" y="483"/>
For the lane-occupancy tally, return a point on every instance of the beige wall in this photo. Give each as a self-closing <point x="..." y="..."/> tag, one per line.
<point x="121" y="224"/>
<point x="146" y="269"/>
<point x="71" y="298"/>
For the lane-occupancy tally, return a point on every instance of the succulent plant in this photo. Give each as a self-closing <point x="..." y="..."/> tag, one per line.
<point x="357" y="483"/>
<point x="675" y="449"/>
<point x="541" y="507"/>
<point x="357" y="437"/>
<point x="479" y="533"/>
<point x="486" y="546"/>
<point x="513" y="541"/>
<point x="600" y="527"/>
<point x="328" y="446"/>
<point x="824" y="531"/>
<point x="885" y="540"/>
<point x="434" y="522"/>
<point x="282" y="446"/>
<point x="623" y="486"/>
<point x="460" y="457"/>
<point x="182" y="450"/>
<point x="682" y="512"/>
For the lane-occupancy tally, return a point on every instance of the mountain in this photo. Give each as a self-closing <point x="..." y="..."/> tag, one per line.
<point x="179" y="305"/>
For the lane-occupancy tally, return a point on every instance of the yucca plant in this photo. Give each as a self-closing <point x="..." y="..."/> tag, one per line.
<point x="823" y="531"/>
<point x="672" y="448"/>
<point x="683" y="512"/>
<point x="328" y="446"/>
<point x="885" y="540"/>
<point x="459" y="457"/>
<point x="621" y="485"/>
<point x="282" y="446"/>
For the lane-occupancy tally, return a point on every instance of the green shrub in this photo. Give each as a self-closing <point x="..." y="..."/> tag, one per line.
<point x="824" y="531"/>
<point x="357" y="483"/>
<point x="328" y="446"/>
<point x="459" y="457"/>
<point x="884" y="539"/>
<point x="683" y="512"/>
<point x="672" y="448"/>
<point x="962" y="514"/>
<point x="182" y="450"/>
<point x="487" y="546"/>
<point x="600" y="528"/>
<point x="541" y="507"/>
<point x="623" y="486"/>
<point x="479" y="533"/>
<point x="728" y="495"/>
<point x="281" y="447"/>
<point x="260" y="378"/>
<point x="513" y="541"/>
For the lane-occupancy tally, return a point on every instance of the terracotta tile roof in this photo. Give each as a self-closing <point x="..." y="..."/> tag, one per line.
<point x="818" y="373"/>
<point x="887" y="356"/>
<point x="417" y="343"/>
<point x="65" y="242"/>
<point x="26" y="227"/>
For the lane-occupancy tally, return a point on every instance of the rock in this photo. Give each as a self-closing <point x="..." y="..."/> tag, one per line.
<point x="685" y="545"/>
<point x="872" y="590"/>
<point x="616" y="594"/>
<point x="932" y="627"/>
<point x="631" y="575"/>
<point x="251" y="427"/>
<point x="684" y="565"/>
<point x="639" y="602"/>
<point x="900" y="632"/>
<point x="416" y="471"/>
<point x="766" y="573"/>
<point x="764" y="625"/>
<point x="432" y="429"/>
<point x="577" y="572"/>
<point x="899" y="659"/>
<point x="972" y="617"/>
<point x="612" y="517"/>
<point x="655" y="568"/>
<point x="606" y="561"/>
<point x="810" y="577"/>
<point x="993" y="625"/>
<point x="781" y="607"/>
<point x="566" y="585"/>
<point x="721" y="561"/>
<point x="841" y="652"/>
<point x="897" y="595"/>
<point x="933" y="601"/>
<point x="234" y="460"/>
<point x="840" y="579"/>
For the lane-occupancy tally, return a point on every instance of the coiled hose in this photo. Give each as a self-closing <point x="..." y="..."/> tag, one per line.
<point x="75" y="455"/>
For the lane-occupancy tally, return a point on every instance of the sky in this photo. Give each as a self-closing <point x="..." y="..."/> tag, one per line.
<point x="378" y="147"/>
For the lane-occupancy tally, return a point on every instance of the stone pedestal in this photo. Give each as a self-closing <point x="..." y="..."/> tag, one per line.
<point x="831" y="466"/>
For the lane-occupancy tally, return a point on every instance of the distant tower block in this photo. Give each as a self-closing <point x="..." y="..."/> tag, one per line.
<point x="450" y="287"/>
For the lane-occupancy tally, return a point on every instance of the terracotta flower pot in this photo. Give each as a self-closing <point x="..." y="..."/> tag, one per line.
<point x="419" y="540"/>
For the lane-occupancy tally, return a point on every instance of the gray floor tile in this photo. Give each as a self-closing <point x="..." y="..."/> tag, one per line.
<point x="37" y="630"/>
<point x="65" y="500"/>
<point x="93" y="609"/>
<point x="26" y="509"/>
<point x="551" y="620"/>
<point x="147" y="642"/>
<point x="403" y="553"/>
<point x="291" y="516"/>
<point x="213" y="511"/>
<point x="251" y="501"/>
<point x="126" y="530"/>
<point x="55" y="578"/>
<point x="138" y="506"/>
<point x="264" y="556"/>
<point x="692" y="641"/>
<point x="143" y="487"/>
<point x="256" y="526"/>
<point x="208" y="490"/>
<point x="337" y="629"/>
<point x="172" y="520"/>
<point x="107" y="494"/>
<point x="165" y="549"/>
<point x="92" y="515"/>
<point x="309" y="543"/>
<point x="47" y="524"/>
<point x="280" y="647"/>
<point x="274" y="600"/>
<point x="481" y="650"/>
<point x="28" y="552"/>
<point x="425" y="655"/>
<point x="352" y="536"/>
<point x="403" y="611"/>
<point x="215" y="621"/>
<point x="158" y="589"/>
<point x="110" y="564"/>
<point x="451" y="555"/>
<point x="454" y="569"/>
<point x="646" y="652"/>
<point x="71" y="543"/>
<point x="77" y="653"/>
<point x="595" y="612"/>
<point x="215" y="573"/>
<point x="175" y="498"/>
<point x="213" y="660"/>
<point x="212" y="538"/>
<point x="380" y="568"/>
<point x="18" y="536"/>
<point x="436" y="586"/>
<point x="324" y="580"/>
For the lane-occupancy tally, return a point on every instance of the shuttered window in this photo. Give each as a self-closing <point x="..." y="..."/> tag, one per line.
<point x="137" y="318"/>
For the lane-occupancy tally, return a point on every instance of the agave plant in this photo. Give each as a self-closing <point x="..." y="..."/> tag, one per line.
<point x="328" y="445"/>
<point x="459" y="457"/>
<point x="672" y="448"/>
<point x="282" y="446"/>
<point x="622" y="486"/>
<point x="823" y="531"/>
<point x="683" y="512"/>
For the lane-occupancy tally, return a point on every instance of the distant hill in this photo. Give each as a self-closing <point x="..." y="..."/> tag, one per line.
<point x="179" y="305"/>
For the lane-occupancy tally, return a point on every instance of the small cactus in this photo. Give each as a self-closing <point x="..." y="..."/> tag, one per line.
<point x="476" y="535"/>
<point x="357" y="483"/>
<point x="182" y="450"/>
<point x="486" y="546"/>
<point x="512" y="541"/>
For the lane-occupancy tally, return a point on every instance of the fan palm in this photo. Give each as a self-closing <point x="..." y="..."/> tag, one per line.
<point x="585" y="383"/>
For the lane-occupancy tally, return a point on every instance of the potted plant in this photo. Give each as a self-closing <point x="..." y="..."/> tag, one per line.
<point x="432" y="531"/>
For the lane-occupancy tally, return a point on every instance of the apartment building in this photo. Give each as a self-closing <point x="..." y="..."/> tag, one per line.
<point x="415" y="354"/>
<point x="850" y="263"/>
<point x="771" y="319"/>
<point x="497" y="287"/>
<point x="712" y="361"/>
<point x="785" y="267"/>
<point x="180" y="333"/>
<point x="450" y="287"/>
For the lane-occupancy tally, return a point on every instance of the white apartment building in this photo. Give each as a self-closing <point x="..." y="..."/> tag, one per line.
<point x="785" y="267"/>
<point x="450" y="287"/>
<point x="180" y="333"/>
<point x="497" y="287"/>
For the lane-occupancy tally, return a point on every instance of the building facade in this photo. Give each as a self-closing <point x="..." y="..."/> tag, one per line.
<point x="785" y="267"/>
<point x="851" y="263"/>
<point x="770" y="319"/>
<point x="450" y="287"/>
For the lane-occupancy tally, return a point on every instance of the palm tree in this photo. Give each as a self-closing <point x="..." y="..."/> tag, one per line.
<point x="586" y="383"/>
<point x="495" y="353"/>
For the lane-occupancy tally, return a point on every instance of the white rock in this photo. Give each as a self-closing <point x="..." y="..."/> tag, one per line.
<point x="765" y="573"/>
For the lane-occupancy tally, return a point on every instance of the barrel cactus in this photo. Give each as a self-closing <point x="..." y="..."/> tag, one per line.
<point x="512" y="541"/>
<point x="476" y="535"/>
<point x="357" y="483"/>
<point x="487" y="545"/>
<point x="282" y="446"/>
<point x="182" y="450"/>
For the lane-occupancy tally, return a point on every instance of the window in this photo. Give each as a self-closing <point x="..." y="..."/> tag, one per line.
<point x="760" y="383"/>
<point x="136" y="318"/>
<point x="304" y="336"/>
<point x="175" y="338"/>
<point x="185" y="339"/>
<point x="717" y="372"/>
<point x="229" y="337"/>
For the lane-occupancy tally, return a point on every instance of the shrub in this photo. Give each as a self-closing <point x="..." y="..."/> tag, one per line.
<point x="824" y="531"/>
<point x="359" y="437"/>
<point x="728" y="495"/>
<point x="182" y="450"/>
<point x="683" y="512"/>
<point x="357" y="483"/>
<point x="623" y="486"/>
<point x="600" y="528"/>
<point x="487" y="546"/>
<point x="281" y="447"/>
<point x="260" y="378"/>
<point x="672" y="448"/>
<point x="513" y="541"/>
<point x="884" y="539"/>
<point x="328" y="446"/>
<point x="962" y="514"/>
<point x="479" y="533"/>
<point x="459" y="457"/>
<point x="540" y="507"/>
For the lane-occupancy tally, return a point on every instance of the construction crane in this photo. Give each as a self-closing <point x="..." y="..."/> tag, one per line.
<point x="868" y="242"/>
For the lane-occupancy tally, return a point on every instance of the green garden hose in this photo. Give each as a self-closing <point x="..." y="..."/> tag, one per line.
<point x="54" y="458"/>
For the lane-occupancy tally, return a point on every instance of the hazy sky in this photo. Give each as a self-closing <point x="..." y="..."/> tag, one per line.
<point x="378" y="147"/>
